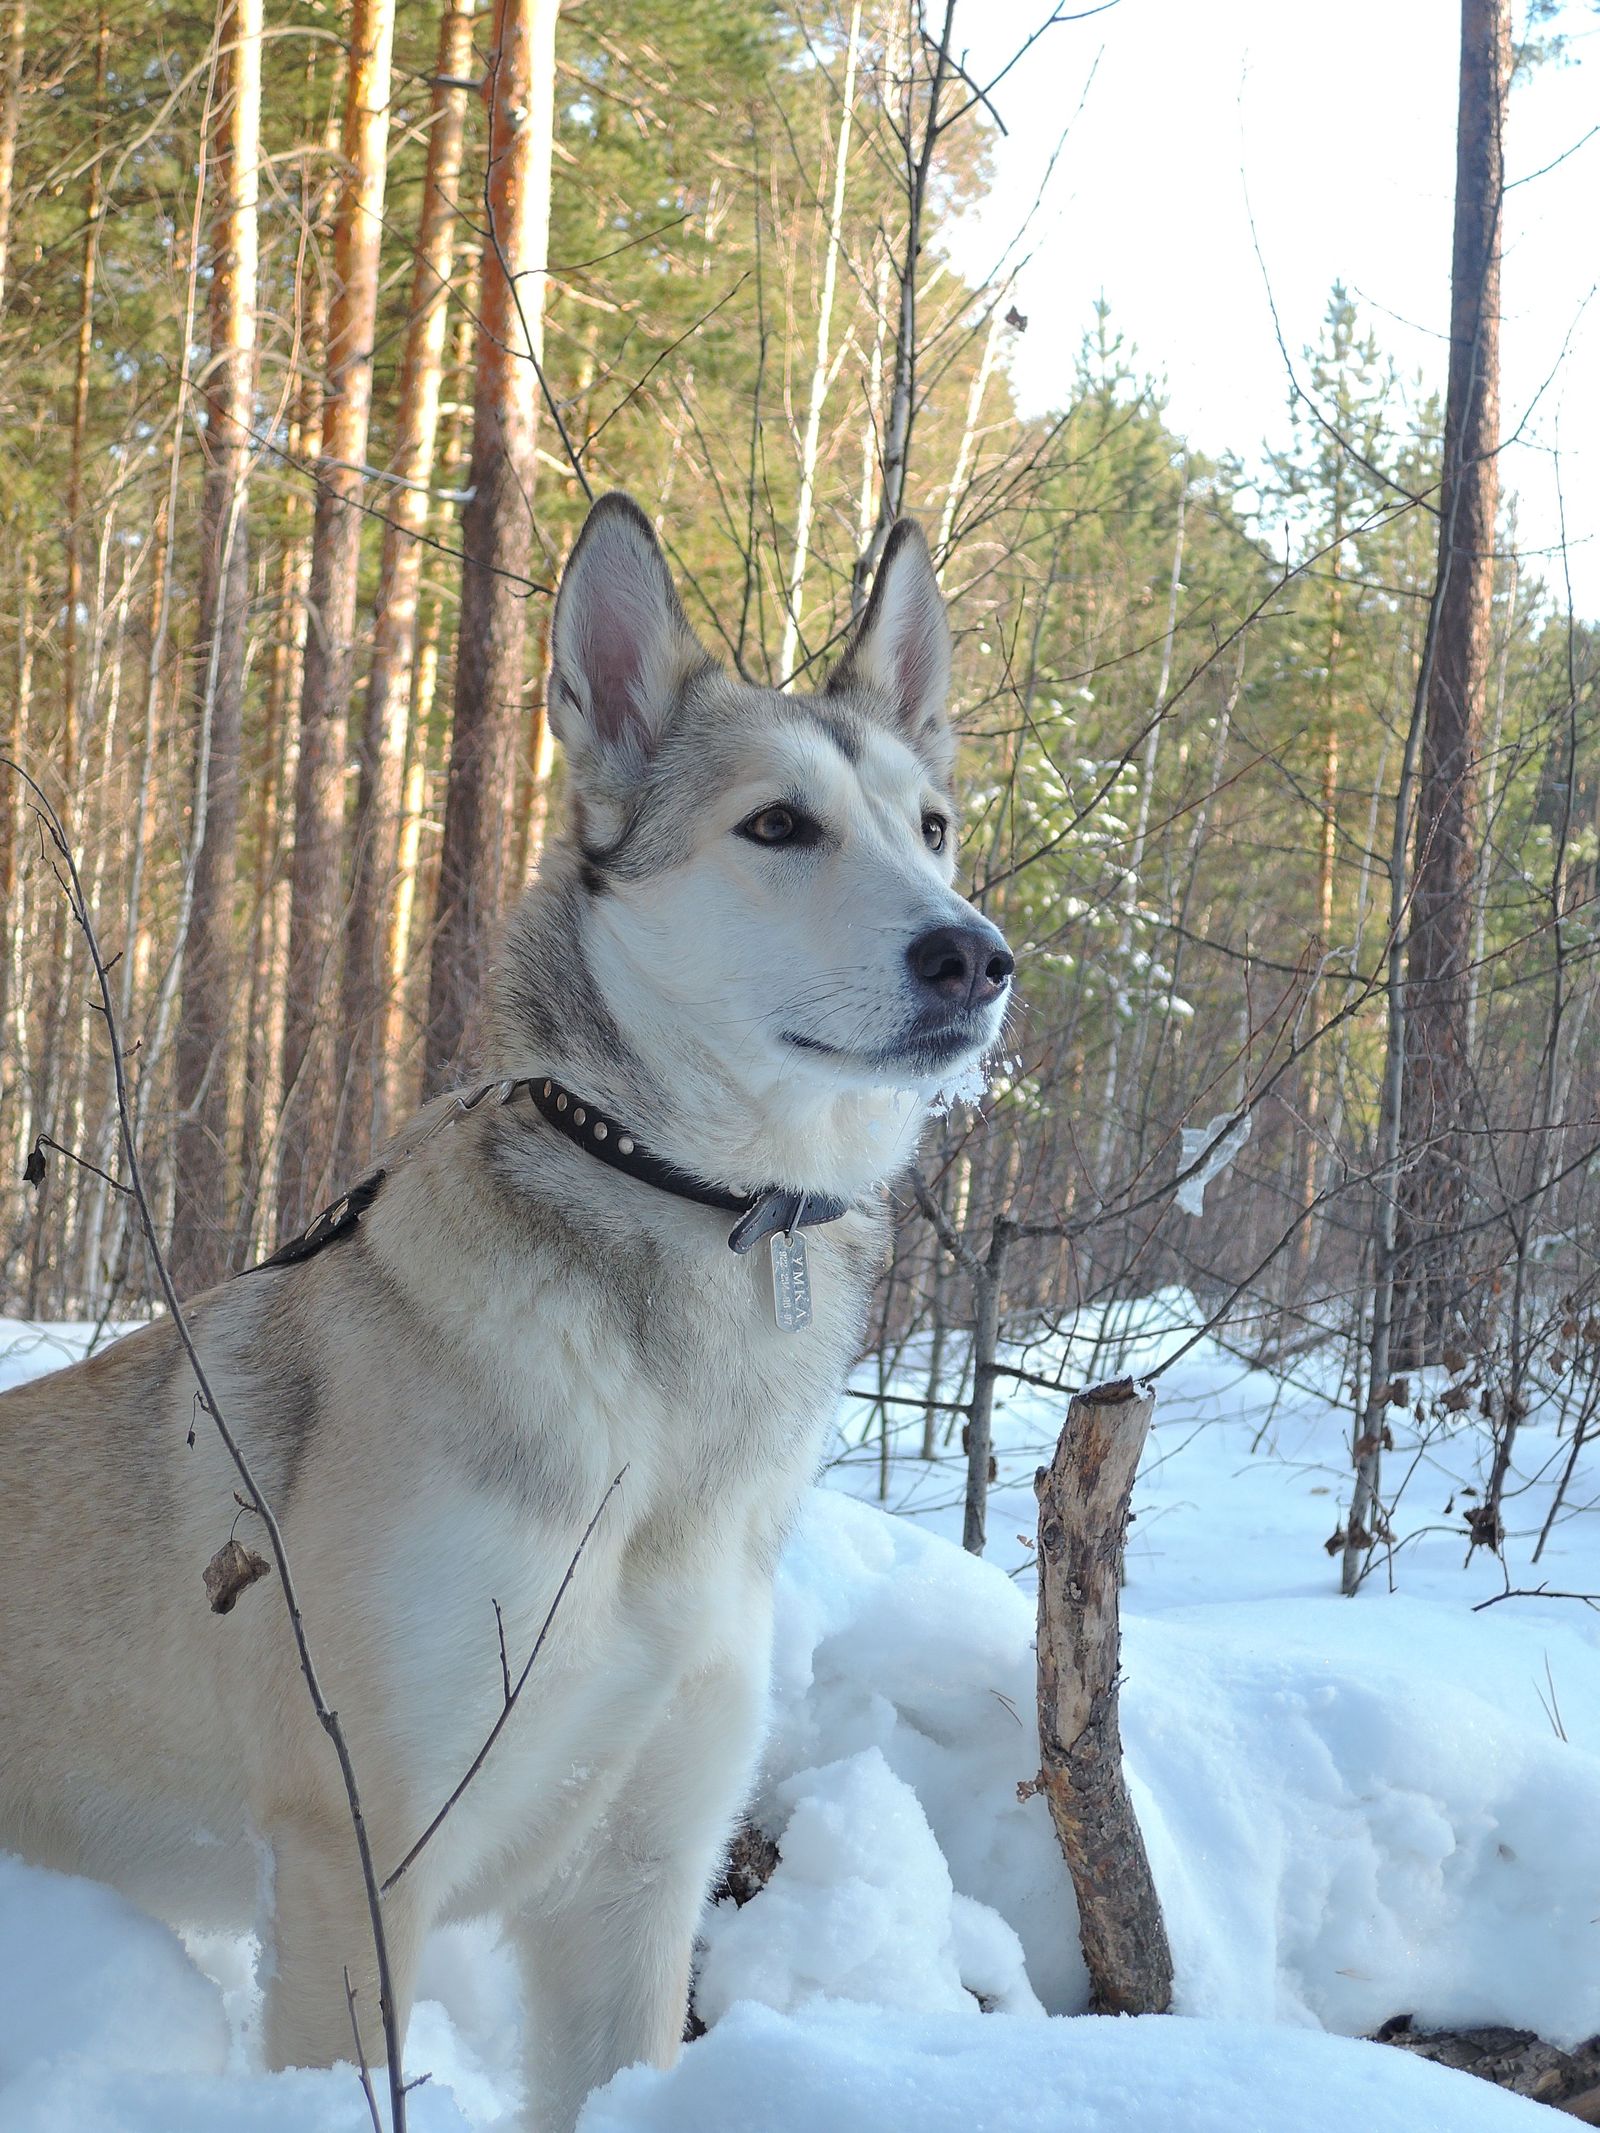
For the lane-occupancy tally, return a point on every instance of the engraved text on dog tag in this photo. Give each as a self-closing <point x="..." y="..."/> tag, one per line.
<point x="791" y="1282"/>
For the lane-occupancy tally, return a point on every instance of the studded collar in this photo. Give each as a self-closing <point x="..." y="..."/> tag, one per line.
<point x="761" y="1214"/>
<point x="774" y="1210"/>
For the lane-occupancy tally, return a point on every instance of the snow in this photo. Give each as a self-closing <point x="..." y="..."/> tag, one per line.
<point x="108" y="2026"/>
<point x="862" y="1908"/>
<point x="1354" y="1809"/>
<point x="857" y="2070"/>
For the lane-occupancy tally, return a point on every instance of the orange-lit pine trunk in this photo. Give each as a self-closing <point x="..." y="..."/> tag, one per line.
<point x="310" y="1057"/>
<point x="496" y="526"/>
<point x="375" y="838"/>
<point x="10" y="113"/>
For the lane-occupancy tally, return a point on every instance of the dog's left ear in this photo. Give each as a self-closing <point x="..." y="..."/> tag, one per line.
<point x="621" y="647"/>
<point x="901" y="651"/>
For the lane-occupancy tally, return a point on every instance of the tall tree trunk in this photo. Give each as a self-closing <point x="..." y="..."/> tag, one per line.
<point x="10" y="113"/>
<point x="281" y="738"/>
<point x="819" y="369"/>
<point x="363" y="1112"/>
<point x="19" y="697"/>
<point x="1438" y="948"/>
<point x="919" y="155"/>
<point x="94" y="208"/>
<point x="497" y="524"/>
<point x="416" y="878"/>
<point x="309" y="1055"/>
<point x="1328" y="851"/>
<point x="955" y="495"/>
<point x="49" y="1098"/>
<point x="202" y="1231"/>
<point x="1110" y="1115"/>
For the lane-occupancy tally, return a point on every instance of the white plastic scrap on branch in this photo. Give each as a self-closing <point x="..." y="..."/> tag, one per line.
<point x="1213" y="1146"/>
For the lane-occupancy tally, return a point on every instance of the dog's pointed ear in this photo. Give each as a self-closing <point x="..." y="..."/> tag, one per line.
<point x="900" y="654"/>
<point x="621" y="646"/>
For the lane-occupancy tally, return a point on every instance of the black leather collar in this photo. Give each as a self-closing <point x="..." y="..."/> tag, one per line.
<point x="761" y="1214"/>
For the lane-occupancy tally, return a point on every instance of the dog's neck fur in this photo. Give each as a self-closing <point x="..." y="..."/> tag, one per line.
<point x="568" y="1004"/>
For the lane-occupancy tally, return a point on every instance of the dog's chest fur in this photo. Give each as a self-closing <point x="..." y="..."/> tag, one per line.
<point x="635" y="1343"/>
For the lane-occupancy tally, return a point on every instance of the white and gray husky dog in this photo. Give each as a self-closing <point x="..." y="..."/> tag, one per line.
<point x="720" y="1014"/>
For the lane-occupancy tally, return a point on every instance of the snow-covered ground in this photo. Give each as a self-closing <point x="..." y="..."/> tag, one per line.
<point x="1354" y="1809"/>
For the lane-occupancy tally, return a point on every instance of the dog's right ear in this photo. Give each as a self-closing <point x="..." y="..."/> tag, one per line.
<point x="621" y="646"/>
<point x="900" y="653"/>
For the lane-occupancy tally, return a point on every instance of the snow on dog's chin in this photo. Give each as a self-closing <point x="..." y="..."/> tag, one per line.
<point x="938" y="1092"/>
<point x="894" y="1112"/>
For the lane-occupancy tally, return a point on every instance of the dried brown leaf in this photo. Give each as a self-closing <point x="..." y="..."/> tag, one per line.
<point x="232" y="1570"/>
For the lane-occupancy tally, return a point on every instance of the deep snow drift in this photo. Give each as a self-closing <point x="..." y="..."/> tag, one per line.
<point x="1354" y="1809"/>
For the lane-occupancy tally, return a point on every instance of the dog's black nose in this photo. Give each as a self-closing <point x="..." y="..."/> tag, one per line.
<point x="966" y="965"/>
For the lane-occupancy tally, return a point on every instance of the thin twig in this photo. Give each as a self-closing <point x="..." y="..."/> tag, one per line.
<point x="43" y="1140"/>
<point x="512" y="1694"/>
<point x="361" y="2056"/>
<point x="1537" y="1592"/>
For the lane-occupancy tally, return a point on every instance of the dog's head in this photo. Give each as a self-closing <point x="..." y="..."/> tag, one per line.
<point x="770" y="876"/>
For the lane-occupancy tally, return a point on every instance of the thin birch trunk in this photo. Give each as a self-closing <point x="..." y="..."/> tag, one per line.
<point x="867" y="505"/>
<point x="13" y="1055"/>
<point x="819" y="372"/>
<point x="1130" y="893"/>
<point x="969" y="437"/>
<point x="1491" y="787"/>
<point x="403" y="1015"/>
<point x="919" y="154"/>
<point x="1327" y="855"/>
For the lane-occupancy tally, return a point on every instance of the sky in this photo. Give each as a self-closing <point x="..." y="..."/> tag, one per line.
<point x="1333" y="128"/>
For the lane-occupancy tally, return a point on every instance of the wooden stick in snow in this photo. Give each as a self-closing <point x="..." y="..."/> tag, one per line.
<point x="1083" y="1520"/>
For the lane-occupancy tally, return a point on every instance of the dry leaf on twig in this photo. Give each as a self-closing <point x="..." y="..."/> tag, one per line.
<point x="230" y="1571"/>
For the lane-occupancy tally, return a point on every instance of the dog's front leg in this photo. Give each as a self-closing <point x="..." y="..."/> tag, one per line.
<point x="317" y="1928"/>
<point x="605" y="1949"/>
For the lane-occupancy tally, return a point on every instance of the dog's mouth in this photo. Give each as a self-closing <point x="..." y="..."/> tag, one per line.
<point x="918" y="1054"/>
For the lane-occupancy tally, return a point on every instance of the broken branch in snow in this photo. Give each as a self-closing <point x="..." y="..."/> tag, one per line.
<point x="1083" y="1521"/>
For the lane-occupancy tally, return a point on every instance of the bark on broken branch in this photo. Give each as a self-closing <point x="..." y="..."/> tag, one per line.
<point x="1083" y="1519"/>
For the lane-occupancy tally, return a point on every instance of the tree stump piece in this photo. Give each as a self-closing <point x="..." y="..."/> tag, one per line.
<point x="1083" y="1520"/>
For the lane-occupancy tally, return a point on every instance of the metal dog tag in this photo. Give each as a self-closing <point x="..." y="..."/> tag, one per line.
<point x="791" y="1282"/>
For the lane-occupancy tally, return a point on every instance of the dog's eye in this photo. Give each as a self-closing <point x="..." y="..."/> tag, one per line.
<point x="935" y="829"/>
<point x="780" y="825"/>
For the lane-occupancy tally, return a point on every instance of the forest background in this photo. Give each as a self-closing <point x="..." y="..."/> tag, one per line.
<point x="319" y="325"/>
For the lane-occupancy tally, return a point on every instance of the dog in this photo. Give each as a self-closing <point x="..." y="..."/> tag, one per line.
<point x="713" y="1033"/>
